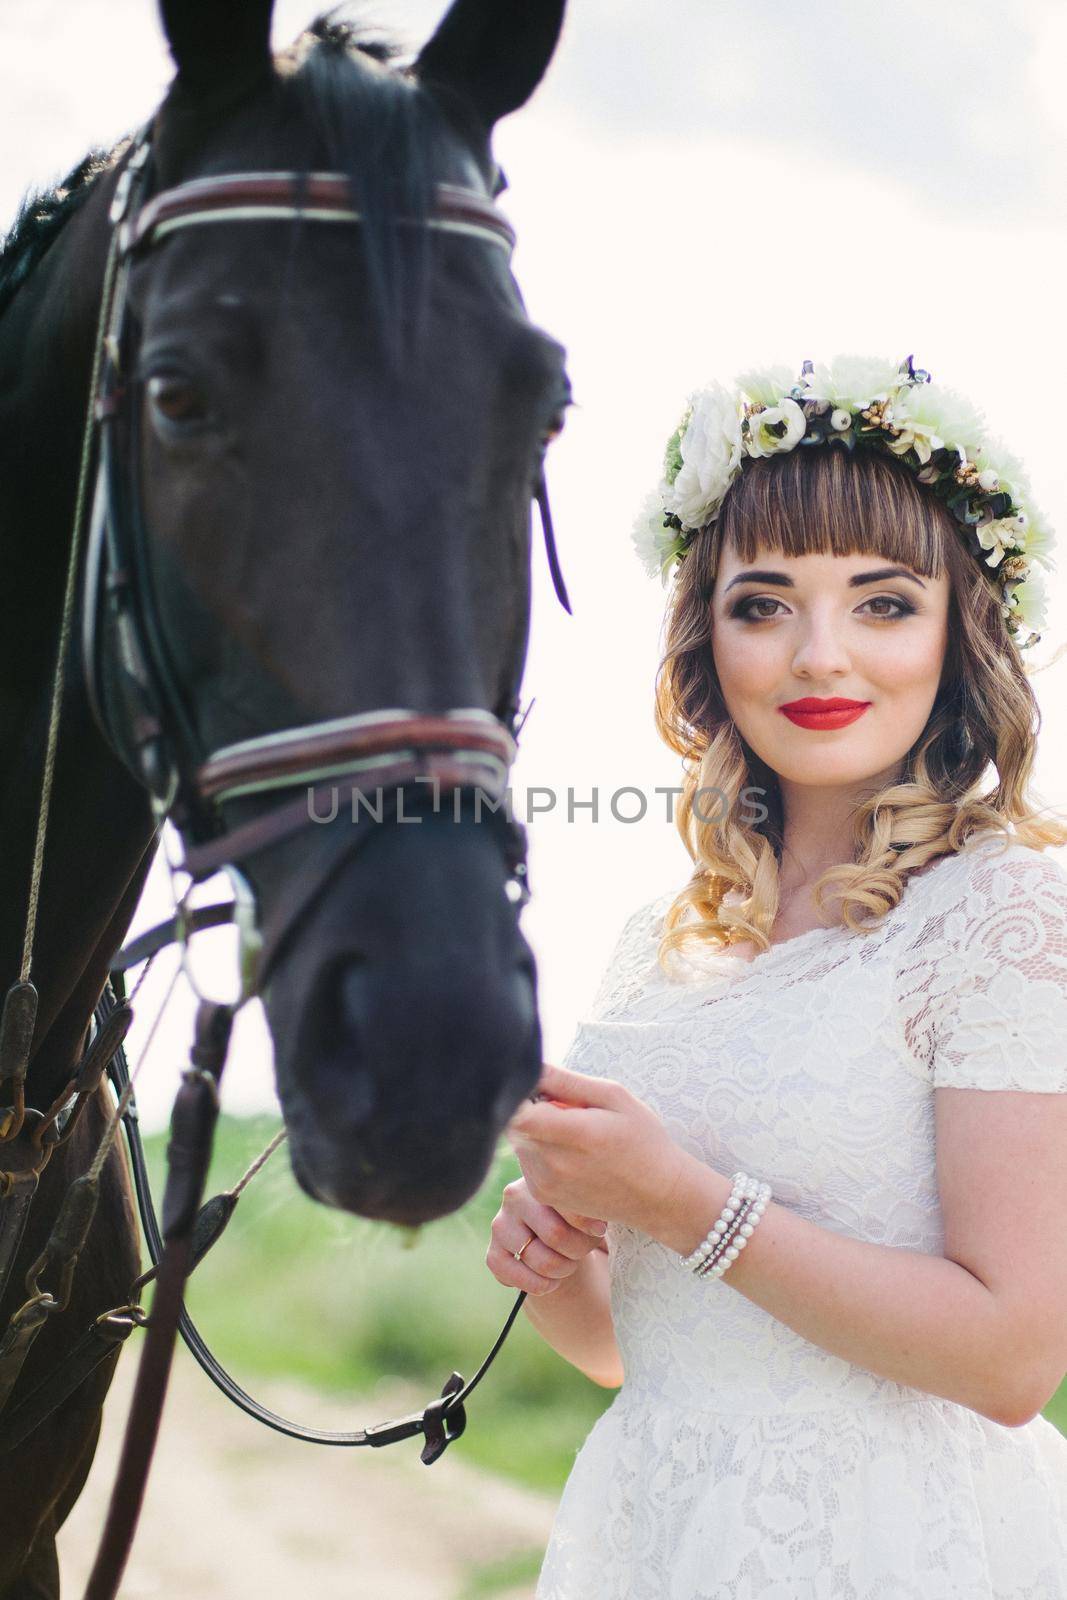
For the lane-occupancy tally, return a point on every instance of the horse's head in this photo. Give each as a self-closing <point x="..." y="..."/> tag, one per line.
<point x="328" y="445"/>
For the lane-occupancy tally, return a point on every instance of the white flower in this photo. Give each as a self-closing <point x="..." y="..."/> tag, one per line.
<point x="764" y="438"/>
<point x="710" y="449"/>
<point x="1027" y="601"/>
<point x="1003" y="536"/>
<point x="1013" y="480"/>
<point x="931" y="418"/>
<point x="765" y="386"/>
<point x="1038" y="538"/>
<point x="1011" y="474"/>
<point x="654" y="542"/>
<point x="852" y="382"/>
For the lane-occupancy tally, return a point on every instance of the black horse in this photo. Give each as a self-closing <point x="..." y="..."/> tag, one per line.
<point x="335" y="435"/>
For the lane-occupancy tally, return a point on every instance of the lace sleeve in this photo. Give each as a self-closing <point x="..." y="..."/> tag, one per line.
<point x="634" y="948"/>
<point x="1001" y="1019"/>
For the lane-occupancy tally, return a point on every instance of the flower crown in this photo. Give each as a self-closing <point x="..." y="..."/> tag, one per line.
<point x="856" y="401"/>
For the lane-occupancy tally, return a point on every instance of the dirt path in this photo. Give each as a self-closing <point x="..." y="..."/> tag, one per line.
<point x="236" y="1512"/>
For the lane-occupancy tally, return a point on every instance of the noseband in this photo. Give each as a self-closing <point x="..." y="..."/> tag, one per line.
<point x="147" y="719"/>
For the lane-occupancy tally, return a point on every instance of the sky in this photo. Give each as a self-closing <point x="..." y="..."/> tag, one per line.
<point x="748" y="184"/>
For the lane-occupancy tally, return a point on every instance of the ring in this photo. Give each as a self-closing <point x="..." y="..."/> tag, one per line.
<point x="518" y="1253"/>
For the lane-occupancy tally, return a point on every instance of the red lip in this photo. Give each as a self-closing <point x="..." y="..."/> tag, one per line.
<point x="833" y="703"/>
<point x="824" y="715"/>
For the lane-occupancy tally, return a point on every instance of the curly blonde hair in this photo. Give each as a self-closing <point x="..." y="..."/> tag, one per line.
<point x="829" y="501"/>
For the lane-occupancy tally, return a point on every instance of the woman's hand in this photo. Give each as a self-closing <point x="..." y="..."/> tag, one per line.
<point x="557" y="1246"/>
<point x="594" y="1148"/>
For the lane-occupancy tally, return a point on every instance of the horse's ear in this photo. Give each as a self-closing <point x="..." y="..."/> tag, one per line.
<point x="493" y="52"/>
<point x="218" y="42"/>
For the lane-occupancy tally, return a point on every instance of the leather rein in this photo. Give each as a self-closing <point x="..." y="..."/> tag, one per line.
<point x="153" y="733"/>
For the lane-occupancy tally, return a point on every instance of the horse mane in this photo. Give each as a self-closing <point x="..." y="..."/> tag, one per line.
<point x="44" y="213"/>
<point x="375" y="125"/>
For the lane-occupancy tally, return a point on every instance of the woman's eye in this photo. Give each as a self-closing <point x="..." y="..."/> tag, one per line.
<point x="745" y="609"/>
<point x="903" y="609"/>
<point x="176" y="399"/>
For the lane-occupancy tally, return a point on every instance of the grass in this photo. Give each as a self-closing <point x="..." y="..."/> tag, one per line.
<point x="500" y="1577"/>
<point x="294" y="1290"/>
<point x="1056" y="1410"/>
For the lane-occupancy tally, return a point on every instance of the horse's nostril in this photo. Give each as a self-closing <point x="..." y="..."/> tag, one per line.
<point x="524" y="992"/>
<point x="349" y="1009"/>
<point x="362" y="1097"/>
<point x="352" y="994"/>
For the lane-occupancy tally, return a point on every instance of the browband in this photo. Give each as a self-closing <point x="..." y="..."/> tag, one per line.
<point x="318" y="196"/>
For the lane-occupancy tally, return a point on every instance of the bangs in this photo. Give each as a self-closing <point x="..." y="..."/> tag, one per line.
<point x="826" y="500"/>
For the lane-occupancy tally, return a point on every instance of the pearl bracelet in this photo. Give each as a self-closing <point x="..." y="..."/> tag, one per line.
<point x="718" y="1263"/>
<point x="741" y="1181"/>
<point x="728" y="1240"/>
<point x="732" y="1229"/>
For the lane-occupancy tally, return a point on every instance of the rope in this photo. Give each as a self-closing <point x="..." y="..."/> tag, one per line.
<point x="68" y="612"/>
<point x="142" y="975"/>
<point x="260" y="1161"/>
<point x="111" y="1131"/>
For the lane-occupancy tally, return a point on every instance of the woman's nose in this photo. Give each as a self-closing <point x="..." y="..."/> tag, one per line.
<point x="820" y="651"/>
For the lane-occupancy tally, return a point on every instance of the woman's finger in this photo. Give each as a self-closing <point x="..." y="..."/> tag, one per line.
<point x="516" y="1274"/>
<point x="554" y="1229"/>
<point x="551" y="1244"/>
<point x="595" y="1225"/>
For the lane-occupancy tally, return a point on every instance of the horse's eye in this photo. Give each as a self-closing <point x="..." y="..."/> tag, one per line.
<point x="554" y="428"/>
<point x="176" y="399"/>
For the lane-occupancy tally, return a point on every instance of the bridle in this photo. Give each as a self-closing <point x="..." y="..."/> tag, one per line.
<point x="147" y="720"/>
<point x="137" y="699"/>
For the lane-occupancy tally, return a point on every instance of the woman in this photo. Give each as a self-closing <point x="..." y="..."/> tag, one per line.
<point x="833" y="1284"/>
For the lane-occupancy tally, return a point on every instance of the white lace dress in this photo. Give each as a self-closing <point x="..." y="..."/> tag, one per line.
<point x="739" y="1461"/>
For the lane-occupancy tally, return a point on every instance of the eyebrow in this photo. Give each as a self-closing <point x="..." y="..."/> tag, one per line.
<point x="855" y="582"/>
